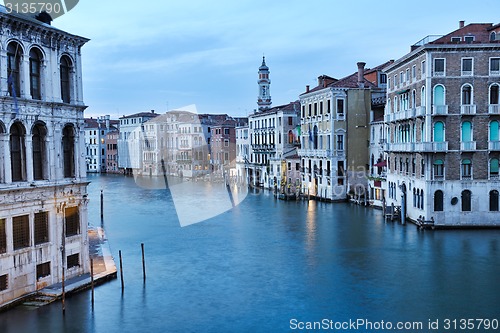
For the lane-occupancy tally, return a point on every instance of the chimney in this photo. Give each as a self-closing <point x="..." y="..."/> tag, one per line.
<point x="152" y="111"/>
<point x="307" y="88"/>
<point x="461" y="24"/>
<point x="361" y="74"/>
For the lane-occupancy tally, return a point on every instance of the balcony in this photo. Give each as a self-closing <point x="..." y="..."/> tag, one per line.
<point x="494" y="145"/>
<point x="468" y="146"/>
<point x="420" y="111"/>
<point x="494" y="109"/>
<point x="430" y="147"/>
<point x="468" y="109"/>
<point x="315" y="153"/>
<point x="440" y="110"/>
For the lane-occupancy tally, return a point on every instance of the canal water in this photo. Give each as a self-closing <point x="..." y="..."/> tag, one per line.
<point x="266" y="263"/>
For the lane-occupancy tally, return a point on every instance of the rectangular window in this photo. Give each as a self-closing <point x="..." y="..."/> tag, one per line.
<point x="414" y="72"/>
<point x="309" y="111"/>
<point x="315" y="109"/>
<point x="494" y="66"/>
<point x="42" y="270"/>
<point x="383" y="78"/>
<point x="407" y="77"/>
<point x="73" y="260"/>
<point x="226" y="143"/>
<point x="422" y="68"/>
<point x="41" y="228"/>
<point x="456" y="39"/>
<point x="340" y="108"/>
<point x="21" y="231"/>
<point x="340" y="142"/>
<point x="3" y="282"/>
<point x="72" y="217"/>
<point x="467" y="66"/>
<point x="226" y="157"/>
<point x="303" y="112"/>
<point x="439" y="67"/>
<point x="226" y="131"/>
<point x="468" y="39"/>
<point x="3" y="237"/>
<point x="290" y="121"/>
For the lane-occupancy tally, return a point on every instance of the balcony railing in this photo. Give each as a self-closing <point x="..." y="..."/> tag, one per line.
<point x="494" y="145"/>
<point x="420" y="111"/>
<point x="468" y="146"/>
<point x="494" y="109"/>
<point x="430" y="146"/>
<point x="468" y="109"/>
<point x="440" y="109"/>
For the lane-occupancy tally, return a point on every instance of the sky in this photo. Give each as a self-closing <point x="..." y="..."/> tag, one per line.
<point x="165" y="54"/>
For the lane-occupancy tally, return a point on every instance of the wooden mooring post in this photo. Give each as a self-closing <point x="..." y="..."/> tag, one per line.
<point x="92" y="279"/>
<point x="102" y="206"/>
<point x="143" y="263"/>
<point x="121" y="269"/>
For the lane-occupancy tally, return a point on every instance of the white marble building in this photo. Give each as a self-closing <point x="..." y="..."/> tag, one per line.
<point x="43" y="196"/>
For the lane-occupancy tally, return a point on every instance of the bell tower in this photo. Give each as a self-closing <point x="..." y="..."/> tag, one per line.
<point x="264" y="99"/>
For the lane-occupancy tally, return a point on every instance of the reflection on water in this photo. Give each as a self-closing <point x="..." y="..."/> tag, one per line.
<point x="266" y="261"/>
<point x="196" y="200"/>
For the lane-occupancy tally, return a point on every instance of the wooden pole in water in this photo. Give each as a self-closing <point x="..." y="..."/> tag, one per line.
<point x="92" y="279"/>
<point x="102" y="205"/>
<point x="121" y="269"/>
<point x="143" y="263"/>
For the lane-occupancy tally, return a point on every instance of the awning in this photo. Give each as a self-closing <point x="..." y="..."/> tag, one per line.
<point x="381" y="164"/>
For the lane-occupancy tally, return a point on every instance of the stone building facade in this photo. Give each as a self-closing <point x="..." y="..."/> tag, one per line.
<point x="43" y="196"/>
<point x="443" y="121"/>
<point x="335" y="116"/>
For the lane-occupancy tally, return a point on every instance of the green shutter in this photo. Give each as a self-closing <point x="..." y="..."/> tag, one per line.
<point x="466" y="131"/>
<point x="494" y="166"/>
<point x="494" y="131"/>
<point x="438" y="131"/>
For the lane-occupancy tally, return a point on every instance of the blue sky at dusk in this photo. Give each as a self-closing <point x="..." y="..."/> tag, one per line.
<point x="167" y="54"/>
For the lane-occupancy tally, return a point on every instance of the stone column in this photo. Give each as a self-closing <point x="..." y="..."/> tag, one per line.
<point x="5" y="138"/>
<point x="24" y="84"/>
<point x="3" y="73"/>
<point x="28" y="143"/>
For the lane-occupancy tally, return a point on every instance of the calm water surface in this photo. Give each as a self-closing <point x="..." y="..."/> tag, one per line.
<point x="265" y="262"/>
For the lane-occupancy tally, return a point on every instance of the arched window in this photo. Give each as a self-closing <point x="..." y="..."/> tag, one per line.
<point x="315" y="137"/>
<point x="494" y="168"/>
<point x="422" y="96"/>
<point x="35" y="73"/>
<point x="466" y="131"/>
<point x="68" y="142"/>
<point x="14" y="55"/>
<point x="494" y="201"/>
<point x="494" y="130"/>
<point x="421" y="199"/>
<point x="466" y="95"/>
<point x="466" y="168"/>
<point x="414" y="197"/>
<point x="438" y="201"/>
<point x="438" y="131"/>
<point x="494" y="94"/>
<point x="493" y="36"/>
<point x="439" y="95"/>
<point x="418" y="198"/>
<point x="466" y="200"/>
<point x="17" y="152"/>
<point x="39" y="161"/>
<point x="438" y="169"/>
<point x="65" y="74"/>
